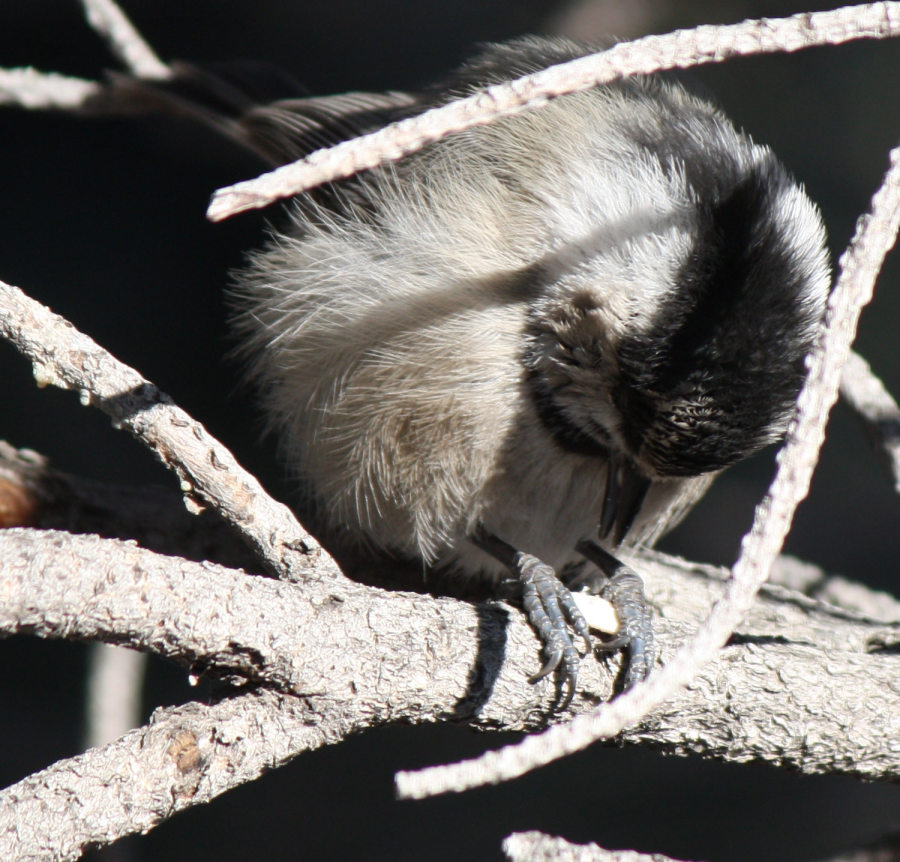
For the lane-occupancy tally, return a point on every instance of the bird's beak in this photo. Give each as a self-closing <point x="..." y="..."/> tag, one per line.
<point x="626" y="489"/>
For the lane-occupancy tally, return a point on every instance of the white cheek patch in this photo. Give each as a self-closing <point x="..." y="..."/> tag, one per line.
<point x="801" y="228"/>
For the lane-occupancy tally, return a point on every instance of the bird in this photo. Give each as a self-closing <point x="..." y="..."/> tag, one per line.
<point x="531" y="345"/>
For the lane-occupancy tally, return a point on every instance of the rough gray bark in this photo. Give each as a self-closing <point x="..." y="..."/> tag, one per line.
<point x="404" y="656"/>
<point x="804" y="685"/>
<point x="184" y="756"/>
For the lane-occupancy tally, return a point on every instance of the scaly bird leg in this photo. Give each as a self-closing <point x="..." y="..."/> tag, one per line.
<point x="549" y="605"/>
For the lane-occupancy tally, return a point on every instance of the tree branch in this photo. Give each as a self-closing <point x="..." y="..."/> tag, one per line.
<point x="422" y="659"/>
<point x="680" y="49"/>
<point x="64" y="357"/>
<point x="185" y="756"/>
<point x="538" y="847"/>
<point x="115" y="679"/>
<point x="31" y="89"/>
<point x="412" y="656"/>
<point x="798" y="576"/>
<point x="124" y="40"/>
<point x="345" y="657"/>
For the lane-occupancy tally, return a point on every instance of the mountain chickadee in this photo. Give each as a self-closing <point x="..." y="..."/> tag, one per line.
<point x="533" y="341"/>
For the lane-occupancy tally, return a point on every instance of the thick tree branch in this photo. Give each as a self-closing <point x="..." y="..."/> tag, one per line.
<point x="394" y="655"/>
<point x="802" y="685"/>
<point x="377" y="656"/>
<point x="185" y="756"/>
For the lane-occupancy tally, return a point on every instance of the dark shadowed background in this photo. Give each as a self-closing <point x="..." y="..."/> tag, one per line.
<point x="104" y="221"/>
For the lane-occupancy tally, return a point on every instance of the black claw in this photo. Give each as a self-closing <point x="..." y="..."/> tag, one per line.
<point x="551" y="663"/>
<point x="570" y="682"/>
<point x="551" y="638"/>
<point x="613" y="644"/>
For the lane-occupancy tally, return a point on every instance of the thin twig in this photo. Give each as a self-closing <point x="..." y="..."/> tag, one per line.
<point x="32" y="89"/>
<point x="877" y="410"/>
<point x="680" y="49"/>
<point x="124" y="40"/>
<point x="859" y="267"/>
<point x="209" y="474"/>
